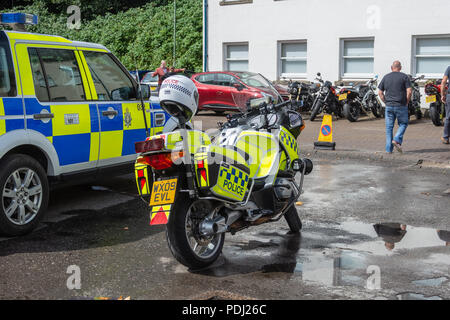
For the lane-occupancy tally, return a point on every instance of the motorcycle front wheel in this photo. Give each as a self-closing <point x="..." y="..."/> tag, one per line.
<point x="317" y="106"/>
<point x="182" y="233"/>
<point x="293" y="220"/>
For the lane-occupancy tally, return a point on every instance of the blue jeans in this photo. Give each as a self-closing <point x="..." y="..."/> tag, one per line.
<point x="447" y="118"/>
<point x="401" y="114"/>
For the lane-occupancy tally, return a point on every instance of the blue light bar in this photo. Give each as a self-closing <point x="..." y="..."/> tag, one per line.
<point x="21" y="18"/>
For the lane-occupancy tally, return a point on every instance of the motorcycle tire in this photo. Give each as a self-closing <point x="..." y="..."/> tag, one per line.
<point x="293" y="220"/>
<point x="315" y="110"/>
<point x="435" y="114"/>
<point x="178" y="238"/>
<point x="351" y="116"/>
<point x="419" y="114"/>
<point x="375" y="108"/>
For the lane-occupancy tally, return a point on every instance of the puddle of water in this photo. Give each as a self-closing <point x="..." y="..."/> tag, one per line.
<point x="416" y="296"/>
<point x="389" y="238"/>
<point x="433" y="282"/>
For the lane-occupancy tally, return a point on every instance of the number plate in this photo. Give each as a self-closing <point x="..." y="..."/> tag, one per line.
<point x="342" y="96"/>
<point x="430" y="99"/>
<point x="163" y="192"/>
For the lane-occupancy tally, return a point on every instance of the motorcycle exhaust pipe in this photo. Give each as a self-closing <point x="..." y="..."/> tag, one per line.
<point x="219" y="224"/>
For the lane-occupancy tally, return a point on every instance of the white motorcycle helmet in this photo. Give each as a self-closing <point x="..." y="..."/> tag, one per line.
<point x="178" y="96"/>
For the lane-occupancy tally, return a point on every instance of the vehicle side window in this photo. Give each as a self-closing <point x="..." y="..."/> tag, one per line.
<point x="40" y="86"/>
<point x="57" y="70"/>
<point x="7" y="78"/>
<point x="224" y="80"/>
<point x="206" y="78"/>
<point x="111" y="82"/>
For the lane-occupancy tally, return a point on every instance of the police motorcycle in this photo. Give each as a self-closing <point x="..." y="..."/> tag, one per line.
<point x="361" y="98"/>
<point x="203" y="187"/>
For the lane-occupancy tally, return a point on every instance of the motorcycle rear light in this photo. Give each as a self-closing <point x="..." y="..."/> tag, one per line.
<point x="159" y="161"/>
<point x="149" y="145"/>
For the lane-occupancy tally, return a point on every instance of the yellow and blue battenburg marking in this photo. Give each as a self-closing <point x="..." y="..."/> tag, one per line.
<point x="231" y="183"/>
<point x="289" y="140"/>
<point x="160" y="214"/>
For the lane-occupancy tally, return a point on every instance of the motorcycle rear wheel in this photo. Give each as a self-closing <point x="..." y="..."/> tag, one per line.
<point x="435" y="114"/>
<point x="351" y="112"/>
<point x="182" y="235"/>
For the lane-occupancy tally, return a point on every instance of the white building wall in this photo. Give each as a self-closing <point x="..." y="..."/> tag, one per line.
<point x="263" y="23"/>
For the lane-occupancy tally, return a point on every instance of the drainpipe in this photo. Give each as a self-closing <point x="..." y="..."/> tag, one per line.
<point x="205" y="35"/>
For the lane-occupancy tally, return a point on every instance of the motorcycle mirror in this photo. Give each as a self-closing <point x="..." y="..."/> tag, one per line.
<point x="319" y="74"/>
<point x="376" y="77"/>
<point x="422" y="77"/>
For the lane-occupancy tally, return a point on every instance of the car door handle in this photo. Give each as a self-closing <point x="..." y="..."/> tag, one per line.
<point x="108" y="113"/>
<point x="219" y="92"/>
<point x="43" y="116"/>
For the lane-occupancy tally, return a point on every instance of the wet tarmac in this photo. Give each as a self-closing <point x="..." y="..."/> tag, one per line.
<point x="370" y="231"/>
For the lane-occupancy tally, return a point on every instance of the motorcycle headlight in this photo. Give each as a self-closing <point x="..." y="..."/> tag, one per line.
<point x="325" y="89"/>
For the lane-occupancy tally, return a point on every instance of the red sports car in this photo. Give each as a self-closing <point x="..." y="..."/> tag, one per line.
<point x="228" y="90"/>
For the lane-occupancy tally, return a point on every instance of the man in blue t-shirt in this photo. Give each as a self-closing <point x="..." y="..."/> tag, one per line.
<point x="395" y="91"/>
<point x="446" y="99"/>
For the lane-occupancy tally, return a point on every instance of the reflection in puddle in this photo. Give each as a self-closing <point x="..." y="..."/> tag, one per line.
<point x="416" y="296"/>
<point x="332" y="254"/>
<point x="434" y="282"/>
<point x="387" y="238"/>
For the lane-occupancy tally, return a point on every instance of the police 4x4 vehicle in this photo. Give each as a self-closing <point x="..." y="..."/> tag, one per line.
<point x="68" y="109"/>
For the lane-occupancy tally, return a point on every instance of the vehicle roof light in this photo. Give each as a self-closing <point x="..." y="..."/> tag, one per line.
<point x="19" y="18"/>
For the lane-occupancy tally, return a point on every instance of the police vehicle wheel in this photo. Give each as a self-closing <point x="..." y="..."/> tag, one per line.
<point x="24" y="194"/>
<point x="293" y="220"/>
<point x="183" y="238"/>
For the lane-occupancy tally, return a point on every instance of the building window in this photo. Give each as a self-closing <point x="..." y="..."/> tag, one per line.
<point x="236" y="57"/>
<point x="357" y="58"/>
<point x="292" y="62"/>
<point x="431" y="55"/>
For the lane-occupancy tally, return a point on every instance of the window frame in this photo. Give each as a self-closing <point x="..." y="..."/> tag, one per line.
<point x="342" y="59"/>
<point x="41" y="62"/>
<point x="226" y="59"/>
<point x="124" y="70"/>
<point x="414" y="56"/>
<point x="9" y="60"/>
<point x="280" y="60"/>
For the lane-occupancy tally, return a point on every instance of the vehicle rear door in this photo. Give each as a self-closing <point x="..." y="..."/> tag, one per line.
<point x="225" y="90"/>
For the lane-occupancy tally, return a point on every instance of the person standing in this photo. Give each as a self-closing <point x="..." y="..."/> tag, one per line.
<point x="446" y="100"/>
<point x="162" y="71"/>
<point x="395" y="91"/>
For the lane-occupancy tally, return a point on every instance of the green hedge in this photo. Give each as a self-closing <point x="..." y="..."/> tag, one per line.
<point x="141" y="36"/>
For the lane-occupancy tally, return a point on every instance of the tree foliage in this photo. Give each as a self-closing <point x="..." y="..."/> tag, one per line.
<point x="139" y="33"/>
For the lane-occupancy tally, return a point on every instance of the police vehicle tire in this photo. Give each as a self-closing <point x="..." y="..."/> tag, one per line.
<point x="177" y="238"/>
<point x="293" y="220"/>
<point x="13" y="168"/>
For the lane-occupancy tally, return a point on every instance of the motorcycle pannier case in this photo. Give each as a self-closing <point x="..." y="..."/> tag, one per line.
<point x="222" y="172"/>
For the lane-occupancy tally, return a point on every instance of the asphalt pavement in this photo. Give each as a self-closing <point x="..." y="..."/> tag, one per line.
<point x="371" y="230"/>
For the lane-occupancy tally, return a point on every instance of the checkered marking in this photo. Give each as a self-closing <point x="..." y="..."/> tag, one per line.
<point x="289" y="140"/>
<point x="176" y="87"/>
<point x="239" y="177"/>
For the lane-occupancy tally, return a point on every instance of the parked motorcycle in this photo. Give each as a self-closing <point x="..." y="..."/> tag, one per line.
<point x="303" y="94"/>
<point x="437" y="108"/>
<point x="202" y="187"/>
<point x="361" y="98"/>
<point x="414" y="103"/>
<point x="326" y="100"/>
